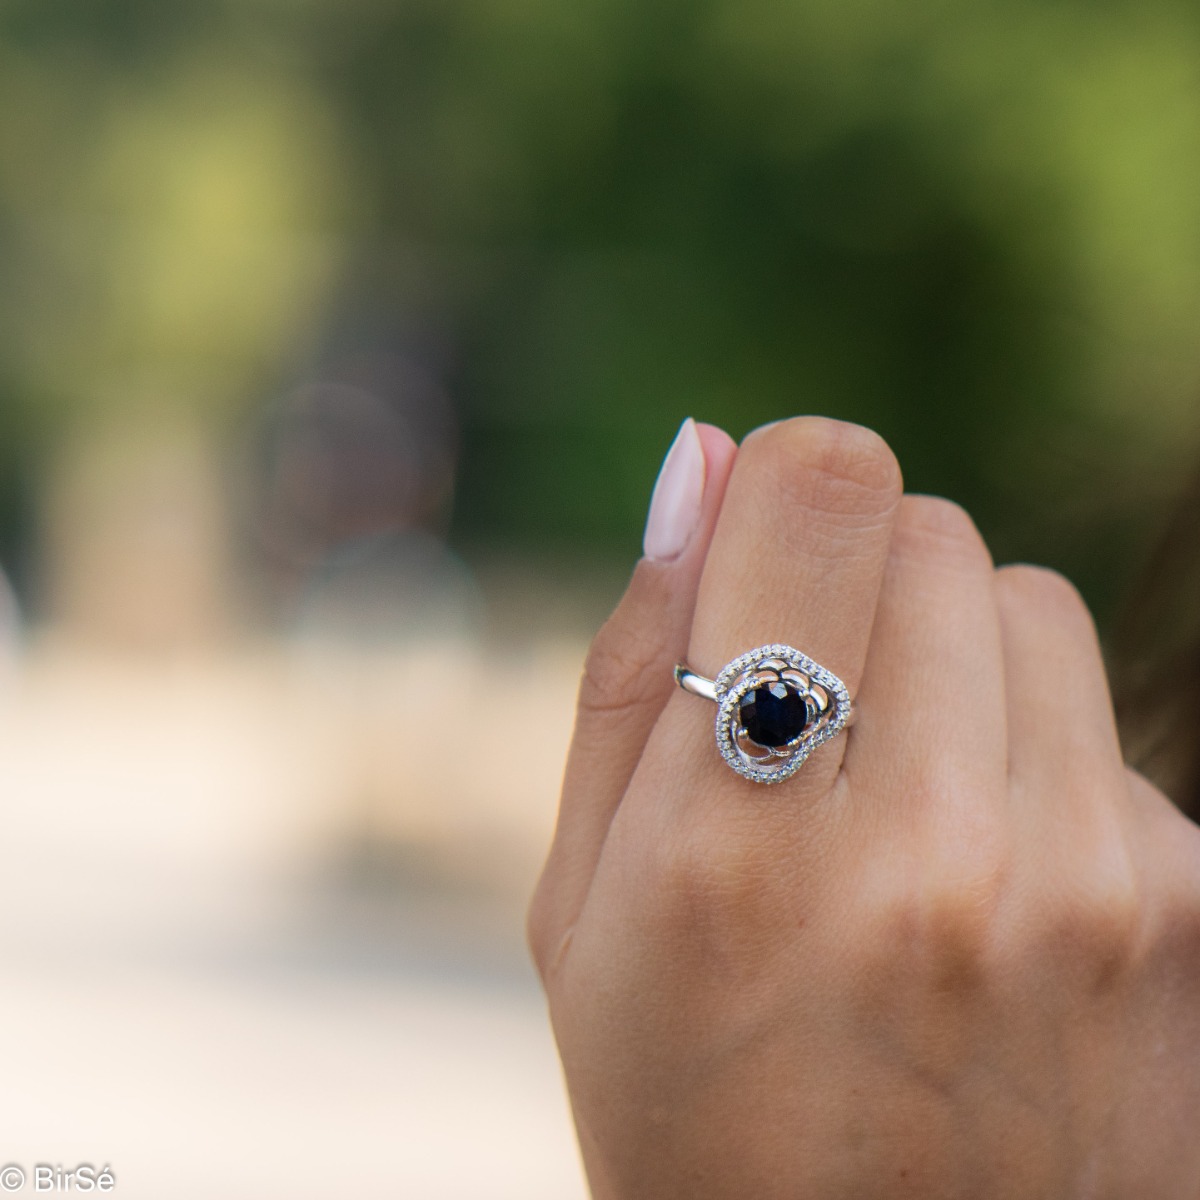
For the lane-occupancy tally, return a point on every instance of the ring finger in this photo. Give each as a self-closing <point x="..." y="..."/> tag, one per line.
<point x="797" y="558"/>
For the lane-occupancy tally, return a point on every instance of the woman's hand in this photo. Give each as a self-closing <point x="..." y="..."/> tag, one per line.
<point x="956" y="955"/>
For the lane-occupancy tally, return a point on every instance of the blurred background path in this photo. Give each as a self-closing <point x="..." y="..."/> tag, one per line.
<point x="215" y="975"/>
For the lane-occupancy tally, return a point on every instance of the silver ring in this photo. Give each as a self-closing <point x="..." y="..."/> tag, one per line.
<point x="775" y="706"/>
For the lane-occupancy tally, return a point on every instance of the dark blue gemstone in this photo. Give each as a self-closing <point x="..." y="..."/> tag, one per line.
<point x="773" y="714"/>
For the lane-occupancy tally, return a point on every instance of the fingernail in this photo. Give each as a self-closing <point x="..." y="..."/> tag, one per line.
<point x="675" y="505"/>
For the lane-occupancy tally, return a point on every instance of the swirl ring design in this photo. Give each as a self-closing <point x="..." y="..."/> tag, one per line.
<point x="775" y="706"/>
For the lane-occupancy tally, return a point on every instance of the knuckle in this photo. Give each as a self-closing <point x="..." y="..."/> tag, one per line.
<point x="619" y="672"/>
<point x="543" y="934"/>
<point x="715" y="883"/>
<point x="1172" y="838"/>
<point x="1044" y="590"/>
<point x="944" y="919"/>
<point x="697" y="871"/>
<point x="1096" y="924"/>
<point x="1090" y="910"/>
<point x="827" y="465"/>
<point x="1171" y="898"/>
<point x="955" y="926"/>
<point x="537" y="924"/>
<point x="935" y="528"/>
<point x="1177" y="923"/>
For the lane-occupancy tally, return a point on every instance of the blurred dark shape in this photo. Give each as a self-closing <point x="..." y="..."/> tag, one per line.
<point x="10" y="630"/>
<point x="369" y="448"/>
<point x="1155" y="661"/>
<point x="355" y="483"/>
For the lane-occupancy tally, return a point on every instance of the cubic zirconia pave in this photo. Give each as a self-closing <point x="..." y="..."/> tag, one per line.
<point x="824" y="693"/>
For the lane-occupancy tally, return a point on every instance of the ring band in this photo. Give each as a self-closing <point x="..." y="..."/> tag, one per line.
<point x="775" y="706"/>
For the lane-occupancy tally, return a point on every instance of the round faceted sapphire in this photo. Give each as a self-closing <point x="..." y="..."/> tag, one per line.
<point x="773" y="714"/>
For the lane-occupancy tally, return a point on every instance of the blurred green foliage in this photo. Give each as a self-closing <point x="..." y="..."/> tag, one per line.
<point x="975" y="227"/>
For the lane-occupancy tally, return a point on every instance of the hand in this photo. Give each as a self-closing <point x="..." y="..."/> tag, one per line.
<point x="956" y="955"/>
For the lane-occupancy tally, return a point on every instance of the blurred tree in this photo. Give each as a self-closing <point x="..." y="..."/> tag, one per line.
<point x="974" y="227"/>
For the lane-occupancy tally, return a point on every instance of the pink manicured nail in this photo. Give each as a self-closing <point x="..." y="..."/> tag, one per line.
<point x="675" y="505"/>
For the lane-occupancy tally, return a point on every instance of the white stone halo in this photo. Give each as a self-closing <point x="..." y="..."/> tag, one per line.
<point x="825" y="695"/>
